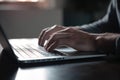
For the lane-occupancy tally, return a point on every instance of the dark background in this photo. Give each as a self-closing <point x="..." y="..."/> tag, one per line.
<point x="78" y="12"/>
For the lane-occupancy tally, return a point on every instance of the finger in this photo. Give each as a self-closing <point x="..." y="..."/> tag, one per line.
<point x="52" y="46"/>
<point x="49" y="32"/>
<point x="44" y="37"/>
<point x="45" y="34"/>
<point x="66" y="30"/>
<point x="41" y="36"/>
<point x="58" y="38"/>
<point x="62" y="34"/>
<point x="58" y="43"/>
<point x="67" y="33"/>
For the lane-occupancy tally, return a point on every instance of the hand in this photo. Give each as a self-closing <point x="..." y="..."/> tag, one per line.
<point x="47" y="32"/>
<point x="77" y="39"/>
<point x="69" y="36"/>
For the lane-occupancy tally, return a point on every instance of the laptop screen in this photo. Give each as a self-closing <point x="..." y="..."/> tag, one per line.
<point x="3" y="40"/>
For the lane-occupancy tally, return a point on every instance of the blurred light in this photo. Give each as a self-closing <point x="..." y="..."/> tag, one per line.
<point x="26" y="4"/>
<point x="31" y="0"/>
<point x="23" y="1"/>
<point x="34" y="74"/>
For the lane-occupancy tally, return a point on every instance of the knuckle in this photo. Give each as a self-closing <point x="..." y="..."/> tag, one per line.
<point x="53" y="27"/>
<point x="45" y="29"/>
<point x="54" y="36"/>
<point x="70" y="29"/>
<point x="43" y="32"/>
<point x="57" y="27"/>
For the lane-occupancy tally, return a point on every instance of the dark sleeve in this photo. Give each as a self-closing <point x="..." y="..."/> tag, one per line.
<point x="109" y="23"/>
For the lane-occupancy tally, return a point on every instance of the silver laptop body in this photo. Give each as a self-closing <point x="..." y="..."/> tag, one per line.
<point x="28" y="51"/>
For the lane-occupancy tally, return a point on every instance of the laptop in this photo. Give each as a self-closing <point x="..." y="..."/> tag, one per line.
<point x="27" y="51"/>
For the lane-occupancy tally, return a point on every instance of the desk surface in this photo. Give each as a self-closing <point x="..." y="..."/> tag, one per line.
<point x="75" y="71"/>
<point x="95" y="70"/>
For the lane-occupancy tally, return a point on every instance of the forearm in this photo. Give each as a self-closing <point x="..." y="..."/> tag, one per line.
<point x="109" y="23"/>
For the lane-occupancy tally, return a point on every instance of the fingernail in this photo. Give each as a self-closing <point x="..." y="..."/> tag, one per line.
<point x="45" y="43"/>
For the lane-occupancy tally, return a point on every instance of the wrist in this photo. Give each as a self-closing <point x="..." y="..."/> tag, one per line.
<point x="106" y="42"/>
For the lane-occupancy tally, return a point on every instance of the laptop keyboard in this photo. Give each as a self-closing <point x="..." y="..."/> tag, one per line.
<point x="31" y="50"/>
